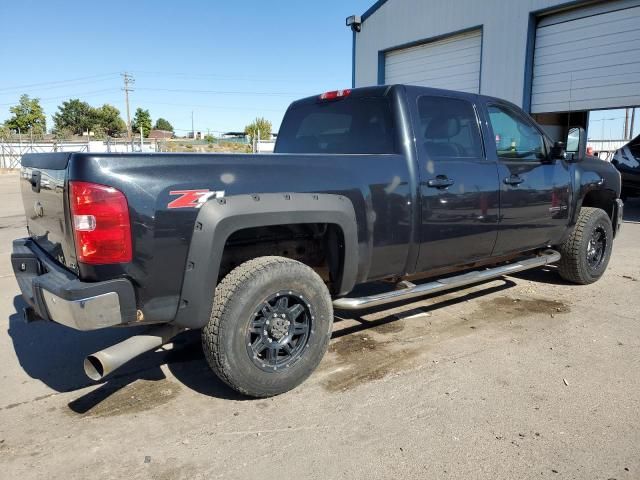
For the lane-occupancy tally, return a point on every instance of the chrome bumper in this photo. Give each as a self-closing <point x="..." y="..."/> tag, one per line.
<point x="88" y="313"/>
<point x="56" y="294"/>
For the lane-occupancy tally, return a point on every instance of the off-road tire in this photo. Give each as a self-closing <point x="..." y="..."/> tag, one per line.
<point x="236" y="299"/>
<point x="574" y="266"/>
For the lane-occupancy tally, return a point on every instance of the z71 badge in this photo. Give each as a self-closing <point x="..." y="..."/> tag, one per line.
<point x="192" y="198"/>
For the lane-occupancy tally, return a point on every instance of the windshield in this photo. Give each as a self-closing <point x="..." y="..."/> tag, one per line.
<point x="350" y="125"/>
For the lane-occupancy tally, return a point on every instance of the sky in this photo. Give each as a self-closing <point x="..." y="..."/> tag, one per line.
<point x="228" y="62"/>
<point x="609" y="124"/>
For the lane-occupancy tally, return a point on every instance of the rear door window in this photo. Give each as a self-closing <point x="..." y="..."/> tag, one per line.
<point x="449" y="128"/>
<point x="350" y="125"/>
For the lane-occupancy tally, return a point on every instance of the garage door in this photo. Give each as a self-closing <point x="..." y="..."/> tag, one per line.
<point x="588" y="59"/>
<point x="452" y="63"/>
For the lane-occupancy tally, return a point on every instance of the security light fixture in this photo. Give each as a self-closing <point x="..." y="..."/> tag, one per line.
<point x="355" y="22"/>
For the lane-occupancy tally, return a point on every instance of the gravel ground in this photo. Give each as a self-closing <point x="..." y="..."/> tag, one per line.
<point x="522" y="377"/>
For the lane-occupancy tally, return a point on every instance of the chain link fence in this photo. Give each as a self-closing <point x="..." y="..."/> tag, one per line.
<point x="12" y="149"/>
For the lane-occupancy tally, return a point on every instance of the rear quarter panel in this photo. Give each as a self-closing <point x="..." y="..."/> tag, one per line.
<point x="377" y="185"/>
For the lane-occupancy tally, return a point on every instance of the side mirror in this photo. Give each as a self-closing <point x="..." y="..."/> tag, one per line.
<point x="576" y="144"/>
<point x="558" y="152"/>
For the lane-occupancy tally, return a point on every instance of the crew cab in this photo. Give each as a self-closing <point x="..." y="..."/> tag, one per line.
<point x="396" y="183"/>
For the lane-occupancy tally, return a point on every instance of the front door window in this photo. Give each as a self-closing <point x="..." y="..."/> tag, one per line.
<point x="515" y="138"/>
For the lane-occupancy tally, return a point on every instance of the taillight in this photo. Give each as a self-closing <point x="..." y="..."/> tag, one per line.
<point x="100" y="216"/>
<point x="335" y="94"/>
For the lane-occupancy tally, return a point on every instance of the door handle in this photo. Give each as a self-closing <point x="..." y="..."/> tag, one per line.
<point x="514" y="180"/>
<point x="441" y="181"/>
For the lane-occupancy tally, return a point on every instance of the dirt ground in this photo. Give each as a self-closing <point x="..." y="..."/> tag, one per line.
<point x="522" y="377"/>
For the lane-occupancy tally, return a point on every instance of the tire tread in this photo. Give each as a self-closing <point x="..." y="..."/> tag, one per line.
<point x="570" y="265"/>
<point x="230" y="286"/>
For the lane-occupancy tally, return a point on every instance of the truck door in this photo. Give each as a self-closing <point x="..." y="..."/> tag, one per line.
<point x="534" y="189"/>
<point x="458" y="186"/>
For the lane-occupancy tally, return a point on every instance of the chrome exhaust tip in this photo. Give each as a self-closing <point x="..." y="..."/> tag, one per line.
<point x="100" y="364"/>
<point x="94" y="368"/>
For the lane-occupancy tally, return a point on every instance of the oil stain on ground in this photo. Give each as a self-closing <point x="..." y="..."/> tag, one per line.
<point x="394" y="326"/>
<point x="507" y="308"/>
<point x="379" y="350"/>
<point x="361" y="359"/>
<point x="139" y="396"/>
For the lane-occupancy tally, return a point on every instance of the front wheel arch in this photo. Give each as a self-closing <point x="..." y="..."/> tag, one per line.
<point x="575" y="264"/>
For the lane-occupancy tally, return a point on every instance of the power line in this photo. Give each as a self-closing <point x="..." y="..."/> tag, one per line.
<point x="214" y="107"/>
<point x="56" y="82"/>
<point x="213" y="75"/>
<point x="219" y="92"/>
<point x="72" y="85"/>
<point x="85" y="94"/>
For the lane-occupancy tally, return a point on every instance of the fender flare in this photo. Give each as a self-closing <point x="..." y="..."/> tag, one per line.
<point x="219" y="218"/>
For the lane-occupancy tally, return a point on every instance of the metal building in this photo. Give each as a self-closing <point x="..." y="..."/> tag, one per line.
<point x="551" y="57"/>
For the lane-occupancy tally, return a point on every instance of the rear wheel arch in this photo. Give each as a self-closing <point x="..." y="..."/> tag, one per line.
<point x="219" y="219"/>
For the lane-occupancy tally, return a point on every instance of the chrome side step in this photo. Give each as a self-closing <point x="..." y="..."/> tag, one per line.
<point x="411" y="290"/>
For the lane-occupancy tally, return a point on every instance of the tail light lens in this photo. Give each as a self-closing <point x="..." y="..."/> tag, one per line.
<point x="101" y="223"/>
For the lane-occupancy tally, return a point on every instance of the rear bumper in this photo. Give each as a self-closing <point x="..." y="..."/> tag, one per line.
<point x="58" y="295"/>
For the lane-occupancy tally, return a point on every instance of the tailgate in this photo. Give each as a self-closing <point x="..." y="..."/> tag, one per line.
<point x="44" y="195"/>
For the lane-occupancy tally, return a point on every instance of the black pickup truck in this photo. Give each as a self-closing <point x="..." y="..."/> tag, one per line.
<point x="396" y="183"/>
<point x="627" y="160"/>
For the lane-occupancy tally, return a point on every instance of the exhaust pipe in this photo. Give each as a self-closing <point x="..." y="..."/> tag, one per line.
<point x="102" y="363"/>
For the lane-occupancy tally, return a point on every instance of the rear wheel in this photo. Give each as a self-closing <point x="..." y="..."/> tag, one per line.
<point x="270" y="326"/>
<point x="586" y="253"/>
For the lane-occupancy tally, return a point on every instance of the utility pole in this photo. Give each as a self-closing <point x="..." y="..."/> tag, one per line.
<point x="626" y="124"/>
<point x="633" y="119"/>
<point x="193" y="132"/>
<point x="141" y="138"/>
<point x="128" y="81"/>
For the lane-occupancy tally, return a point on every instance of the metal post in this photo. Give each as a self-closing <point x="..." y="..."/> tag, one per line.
<point x="141" y="141"/>
<point x="625" y="134"/>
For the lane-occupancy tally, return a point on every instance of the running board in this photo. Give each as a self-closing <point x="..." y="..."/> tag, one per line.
<point x="411" y="290"/>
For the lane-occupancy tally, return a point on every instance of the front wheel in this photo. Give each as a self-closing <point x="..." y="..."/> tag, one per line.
<point x="586" y="253"/>
<point x="270" y="326"/>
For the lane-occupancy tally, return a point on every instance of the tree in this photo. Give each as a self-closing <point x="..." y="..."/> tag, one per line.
<point x="142" y="119"/>
<point x="162" y="124"/>
<point x="74" y="116"/>
<point x="28" y="114"/>
<point x="77" y="117"/>
<point x="107" y="119"/>
<point x="261" y="125"/>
